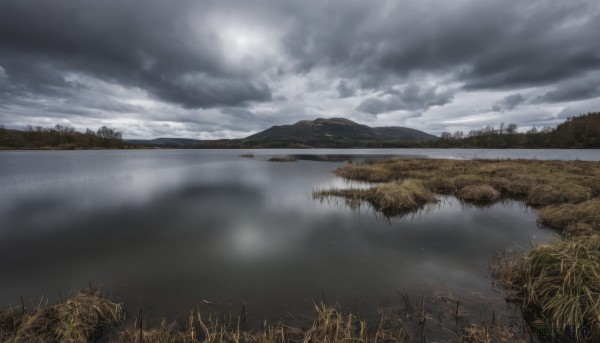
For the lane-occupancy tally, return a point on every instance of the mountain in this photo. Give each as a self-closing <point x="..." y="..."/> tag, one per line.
<point x="334" y="132"/>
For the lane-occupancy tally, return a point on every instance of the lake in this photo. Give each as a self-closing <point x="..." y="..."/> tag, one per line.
<point x="171" y="229"/>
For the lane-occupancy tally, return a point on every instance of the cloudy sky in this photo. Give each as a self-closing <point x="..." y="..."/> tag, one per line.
<point x="226" y="69"/>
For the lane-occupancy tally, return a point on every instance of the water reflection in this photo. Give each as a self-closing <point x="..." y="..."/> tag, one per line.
<point x="177" y="230"/>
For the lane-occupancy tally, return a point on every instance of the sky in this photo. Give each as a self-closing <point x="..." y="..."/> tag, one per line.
<point x="227" y="69"/>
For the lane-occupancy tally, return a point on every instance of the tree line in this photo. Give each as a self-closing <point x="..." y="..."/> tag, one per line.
<point x="60" y="137"/>
<point x="581" y="131"/>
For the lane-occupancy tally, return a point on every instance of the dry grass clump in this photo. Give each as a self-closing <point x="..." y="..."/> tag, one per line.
<point x="583" y="216"/>
<point x="558" y="193"/>
<point x="283" y="159"/>
<point x="479" y="193"/>
<point x="394" y="198"/>
<point x="80" y="319"/>
<point x="558" y="281"/>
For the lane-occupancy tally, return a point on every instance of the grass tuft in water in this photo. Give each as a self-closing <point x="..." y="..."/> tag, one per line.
<point x="392" y="198"/>
<point x="479" y="193"/>
<point x="558" y="282"/>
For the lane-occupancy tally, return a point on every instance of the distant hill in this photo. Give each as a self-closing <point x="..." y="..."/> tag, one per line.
<point x="336" y="130"/>
<point x="324" y="133"/>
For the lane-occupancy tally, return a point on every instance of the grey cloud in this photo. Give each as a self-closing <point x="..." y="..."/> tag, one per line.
<point x="411" y="98"/>
<point x="344" y="90"/>
<point x="509" y="103"/>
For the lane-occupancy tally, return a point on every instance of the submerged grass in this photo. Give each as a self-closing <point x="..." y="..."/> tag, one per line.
<point x="558" y="282"/>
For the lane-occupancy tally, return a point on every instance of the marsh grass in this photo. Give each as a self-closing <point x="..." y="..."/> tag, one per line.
<point x="82" y="318"/>
<point x="539" y="183"/>
<point x="558" y="282"/>
<point x="393" y="198"/>
<point x="283" y="159"/>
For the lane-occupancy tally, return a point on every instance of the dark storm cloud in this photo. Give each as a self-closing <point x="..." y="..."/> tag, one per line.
<point x="151" y="45"/>
<point x="485" y="44"/>
<point x="411" y="98"/>
<point x="509" y="103"/>
<point x="344" y="90"/>
<point x="572" y="90"/>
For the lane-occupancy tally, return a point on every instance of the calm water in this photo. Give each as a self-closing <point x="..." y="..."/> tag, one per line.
<point x="173" y="228"/>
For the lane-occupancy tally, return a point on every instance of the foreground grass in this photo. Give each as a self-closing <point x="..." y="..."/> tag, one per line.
<point x="83" y="318"/>
<point x="88" y="316"/>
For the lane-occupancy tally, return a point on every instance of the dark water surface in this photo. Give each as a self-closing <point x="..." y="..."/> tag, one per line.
<point x="175" y="228"/>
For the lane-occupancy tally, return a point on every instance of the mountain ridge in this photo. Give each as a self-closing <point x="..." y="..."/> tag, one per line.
<point x="319" y="133"/>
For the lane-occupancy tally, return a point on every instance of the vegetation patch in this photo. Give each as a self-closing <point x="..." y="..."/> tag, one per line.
<point x="479" y="193"/>
<point x="558" y="282"/>
<point x="82" y="318"/>
<point x="392" y="198"/>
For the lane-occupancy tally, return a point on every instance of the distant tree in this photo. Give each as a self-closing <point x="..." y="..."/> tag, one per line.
<point x="109" y="137"/>
<point x="511" y="129"/>
<point x="446" y="135"/>
<point x="458" y="135"/>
